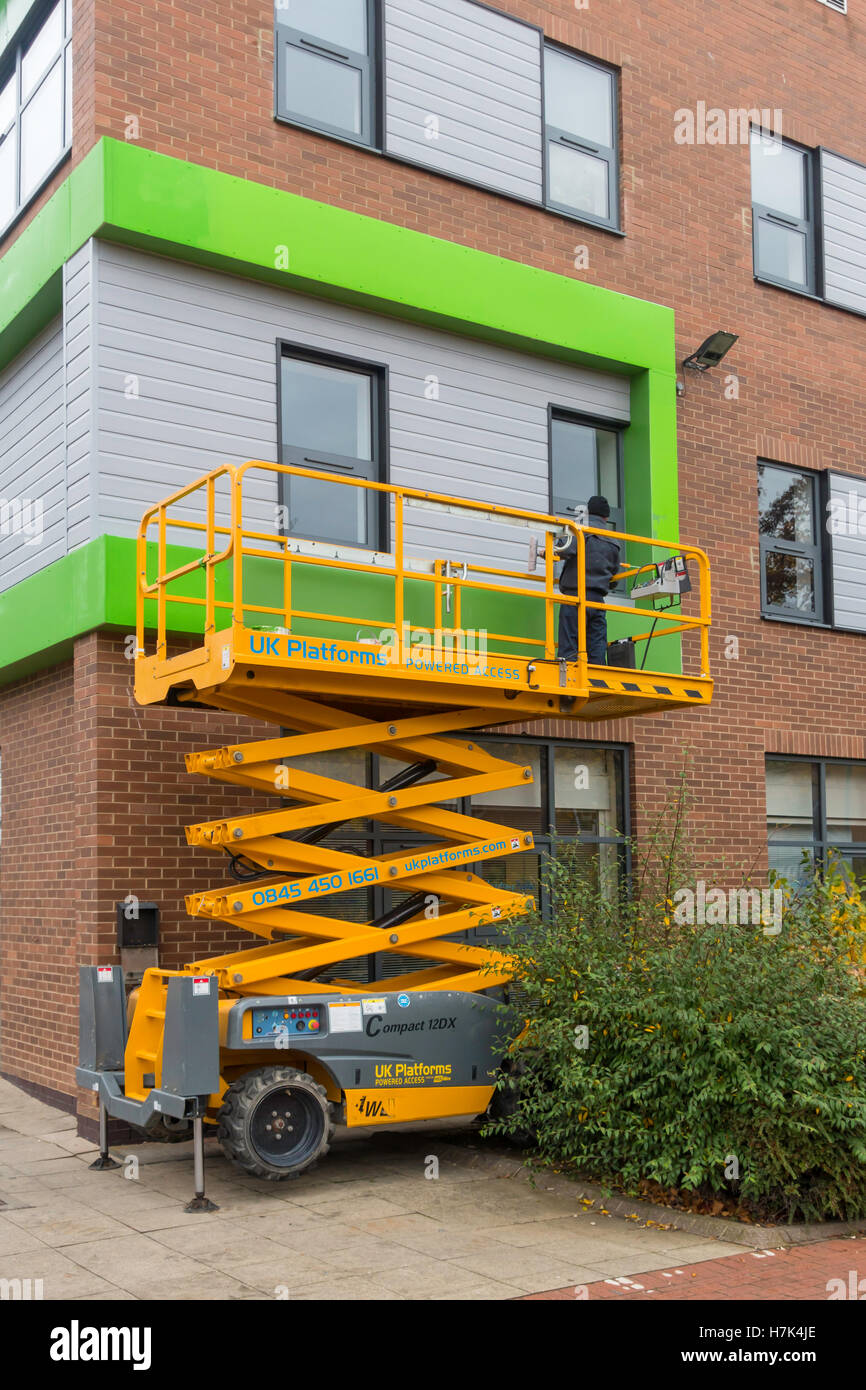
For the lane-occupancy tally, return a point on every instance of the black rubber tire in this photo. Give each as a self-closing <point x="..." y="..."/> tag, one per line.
<point x="242" y="1122"/>
<point x="167" y="1130"/>
<point x="504" y="1104"/>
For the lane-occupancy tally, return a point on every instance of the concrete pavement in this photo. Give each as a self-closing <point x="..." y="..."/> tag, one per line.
<point x="368" y="1223"/>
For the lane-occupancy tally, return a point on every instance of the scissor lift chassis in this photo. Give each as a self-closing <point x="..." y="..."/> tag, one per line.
<point x="449" y="1041"/>
<point x="271" y="1043"/>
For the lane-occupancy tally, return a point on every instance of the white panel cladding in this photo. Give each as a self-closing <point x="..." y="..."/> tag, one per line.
<point x="78" y="353"/>
<point x="32" y="473"/>
<point x="466" y="418"/>
<point x="848" y="526"/>
<point x="463" y="93"/>
<point x="843" y="197"/>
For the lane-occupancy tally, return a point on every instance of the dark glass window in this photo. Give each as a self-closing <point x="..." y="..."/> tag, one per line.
<point x="815" y="806"/>
<point x="580" y="99"/>
<point x="783" y="212"/>
<point x="577" y="799"/>
<point x="585" y="460"/>
<point x="791" y="543"/>
<point x="326" y="67"/>
<point x="331" y="421"/>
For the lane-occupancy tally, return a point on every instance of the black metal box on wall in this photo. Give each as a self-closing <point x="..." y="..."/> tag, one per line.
<point x="137" y="925"/>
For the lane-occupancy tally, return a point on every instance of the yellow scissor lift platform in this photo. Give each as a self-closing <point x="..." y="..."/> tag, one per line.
<point x="351" y="649"/>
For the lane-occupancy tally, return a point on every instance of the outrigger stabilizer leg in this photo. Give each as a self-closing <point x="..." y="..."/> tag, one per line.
<point x="104" y="1160"/>
<point x="199" y="1202"/>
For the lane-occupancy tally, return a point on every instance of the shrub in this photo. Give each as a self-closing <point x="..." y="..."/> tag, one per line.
<point x="721" y="1059"/>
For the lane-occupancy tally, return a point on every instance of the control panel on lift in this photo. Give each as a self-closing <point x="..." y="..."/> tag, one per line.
<point x="671" y="577"/>
<point x="288" y="1018"/>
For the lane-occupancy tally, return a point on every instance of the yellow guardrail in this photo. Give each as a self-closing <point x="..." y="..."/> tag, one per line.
<point x="242" y="542"/>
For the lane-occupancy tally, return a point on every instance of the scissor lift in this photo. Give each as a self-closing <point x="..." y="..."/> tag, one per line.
<point x="349" y="649"/>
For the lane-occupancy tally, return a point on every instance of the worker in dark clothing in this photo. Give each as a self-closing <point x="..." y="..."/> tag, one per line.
<point x="602" y="563"/>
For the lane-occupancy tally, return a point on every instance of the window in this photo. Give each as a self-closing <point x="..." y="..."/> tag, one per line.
<point x="332" y="413"/>
<point x="792" y="539"/>
<point x="813" y="807"/>
<point x="35" y="110"/>
<point x="325" y="66"/>
<point x="585" y="461"/>
<point x="783" y="202"/>
<point x="580" y="137"/>
<point x="577" y="799"/>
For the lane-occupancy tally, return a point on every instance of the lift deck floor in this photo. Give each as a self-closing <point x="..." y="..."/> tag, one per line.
<point x="254" y="666"/>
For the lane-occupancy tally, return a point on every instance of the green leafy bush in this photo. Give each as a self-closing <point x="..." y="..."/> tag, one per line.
<point x="725" y="1060"/>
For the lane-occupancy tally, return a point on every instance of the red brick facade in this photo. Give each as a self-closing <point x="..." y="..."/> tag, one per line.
<point x="95" y="801"/>
<point x="94" y="793"/>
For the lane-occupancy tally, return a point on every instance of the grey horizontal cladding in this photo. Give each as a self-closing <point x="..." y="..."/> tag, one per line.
<point x="478" y="75"/>
<point x="466" y="418"/>
<point x="843" y="197"/>
<point x="848" y="518"/>
<point x="32" y="481"/>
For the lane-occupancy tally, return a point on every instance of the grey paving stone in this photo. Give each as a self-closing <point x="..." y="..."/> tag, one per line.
<point x="65" y="1222"/>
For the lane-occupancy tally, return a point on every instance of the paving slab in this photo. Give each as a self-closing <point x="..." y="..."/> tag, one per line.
<point x="134" y="1262"/>
<point x="62" y="1221"/>
<point x="366" y="1224"/>
<point x="14" y="1240"/>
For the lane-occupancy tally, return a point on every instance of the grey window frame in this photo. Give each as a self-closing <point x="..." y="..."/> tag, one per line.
<point x="10" y="66"/>
<point x="558" y="412"/>
<point x="609" y="154"/>
<point x="546" y="839"/>
<point x="808" y="226"/>
<point x="377" y="372"/>
<point x="367" y="64"/>
<point x="820" y="842"/>
<point x="816" y="551"/>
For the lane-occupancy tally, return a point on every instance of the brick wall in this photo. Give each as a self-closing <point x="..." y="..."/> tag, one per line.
<point x="95" y="800"/>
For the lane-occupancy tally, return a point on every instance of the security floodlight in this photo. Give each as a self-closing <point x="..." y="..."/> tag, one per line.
<point x="711" y="352"/>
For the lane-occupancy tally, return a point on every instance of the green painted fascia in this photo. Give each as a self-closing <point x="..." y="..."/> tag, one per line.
<point x="92" y="587"/>
<point x="194" y="212"/>
<point x="136" y="196"/>
<point x="41" y="617"/>
<point x="31" y="291"/>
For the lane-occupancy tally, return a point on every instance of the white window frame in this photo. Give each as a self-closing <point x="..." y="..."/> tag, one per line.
<point x="10" y="67"/>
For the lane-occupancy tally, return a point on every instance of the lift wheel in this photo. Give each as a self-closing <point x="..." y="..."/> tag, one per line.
<point x="275" y="1123"/>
